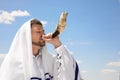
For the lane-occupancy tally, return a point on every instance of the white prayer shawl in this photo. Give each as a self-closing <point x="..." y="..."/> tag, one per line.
<point x="18" y="64"/>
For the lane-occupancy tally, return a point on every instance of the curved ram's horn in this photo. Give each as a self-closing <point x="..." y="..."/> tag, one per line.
<point x="61" y="24"/>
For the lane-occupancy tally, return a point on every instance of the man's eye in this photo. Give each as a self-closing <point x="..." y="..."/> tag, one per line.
<point x="38" y="32"/>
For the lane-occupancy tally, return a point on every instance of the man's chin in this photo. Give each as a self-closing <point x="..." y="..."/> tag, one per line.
<point x="42" y="45"/>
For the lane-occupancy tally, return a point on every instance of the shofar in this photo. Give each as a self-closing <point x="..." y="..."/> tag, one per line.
<point x="61" y="24"/>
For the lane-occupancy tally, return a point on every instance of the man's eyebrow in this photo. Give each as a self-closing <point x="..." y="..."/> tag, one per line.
<point x="40" y="30"/>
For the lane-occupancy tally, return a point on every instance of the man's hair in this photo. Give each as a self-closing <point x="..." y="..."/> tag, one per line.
<point x="35" y="21"/>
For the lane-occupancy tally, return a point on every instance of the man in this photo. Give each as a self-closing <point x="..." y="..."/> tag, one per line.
<point x="28" y="58"/>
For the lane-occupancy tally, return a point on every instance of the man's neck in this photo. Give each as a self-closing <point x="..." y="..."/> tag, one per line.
<point x="36" y="50"/>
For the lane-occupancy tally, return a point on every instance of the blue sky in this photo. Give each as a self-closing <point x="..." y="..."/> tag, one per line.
<point x="91" y="34"/>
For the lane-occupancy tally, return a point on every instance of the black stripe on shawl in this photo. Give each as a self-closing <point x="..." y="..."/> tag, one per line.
<point x="35" y="78"/>
<point x="76" y="71"/>
<point x="49" y="76"/>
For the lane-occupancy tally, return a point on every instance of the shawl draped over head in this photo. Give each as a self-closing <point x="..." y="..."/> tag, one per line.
<point x="18" y="64"/>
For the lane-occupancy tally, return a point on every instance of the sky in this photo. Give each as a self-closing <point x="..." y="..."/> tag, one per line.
<point x="91" y="34"/>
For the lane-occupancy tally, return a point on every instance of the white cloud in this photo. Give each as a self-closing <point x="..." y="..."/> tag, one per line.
<point x="84" y="72"/>
<point x="2" y="56"/>
<point x="119" y="52"/>
<point x="8" y="17"/>
<point x="108" y="71"/>
<point x="117" y="64"/>
<point x="44" y="22"/>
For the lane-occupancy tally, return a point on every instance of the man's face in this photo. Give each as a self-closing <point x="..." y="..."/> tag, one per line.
<point x="37" y="31"/>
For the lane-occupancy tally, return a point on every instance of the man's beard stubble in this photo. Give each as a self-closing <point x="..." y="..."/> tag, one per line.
<point x="40" y="44"/>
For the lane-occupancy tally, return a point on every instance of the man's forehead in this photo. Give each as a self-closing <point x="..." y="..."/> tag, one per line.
<point x="36" y="26"/>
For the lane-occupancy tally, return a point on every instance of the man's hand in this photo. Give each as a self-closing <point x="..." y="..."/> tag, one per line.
<point x="54" y="41"/>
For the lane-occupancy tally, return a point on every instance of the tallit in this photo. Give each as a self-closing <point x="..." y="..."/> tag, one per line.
<point x="18" y="64"/>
